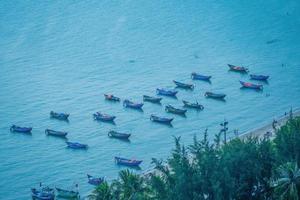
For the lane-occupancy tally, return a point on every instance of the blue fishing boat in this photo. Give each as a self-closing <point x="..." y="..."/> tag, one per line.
<point x="196" y="76"/>
<point x="115" y="134"/>
<point x="174" y="110"/>
<point x="103" y="117"/>
<point x="67" y="194"/>
<point x="44" y="193"/>
<point x="111" y="97"/>
<point x="130" y="104"/>
<point x="193" y="105"/>
<point x="259" y="77"/>
<point x="56" y="133"/>
<point x="128" y="162"/>
<point x="251" y="85"/>
<point x="165" y="92"/>
<point x="238" y="69"/>
<point x="60" y="116"/>
<point x="152" y="99"/>
<point x="76" y="145"/>
<point x="164" y="120"/>
<point x="183" y="85"/>
<point x="215" y="95"/>
<point x="95" y="181"/>
<point x="19" y="129"/>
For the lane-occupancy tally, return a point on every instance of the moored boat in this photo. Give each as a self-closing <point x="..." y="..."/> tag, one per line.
<point x="104" y="117"/>
<point x="165" y="92"/>
<point x="251" y="85"/>
<point x="196" y="76"/>
<point x="215" y="95"/>
<point x="44" y="193"/>
<point x="56" y="133"/>
<point x="174" y="110"/>
<point x="76" y="145"/>
<point x="67" y="194"/>
<point x="238" y="69"/>
<point x="95" y="181"/>
<point x="128" y="162"/>
<point x="111" y="97"/>
<point x="60" y="116"/>
<point x="19" y="129"/>
<point x="193" y="105"/>
<point x="183" y="85"/>
<point x="165" y="120"/>
<point x="130" y="104"/>
<point x="115" y="134"/>
<point x="152" y="99"/>
<point x="259" y="77"/>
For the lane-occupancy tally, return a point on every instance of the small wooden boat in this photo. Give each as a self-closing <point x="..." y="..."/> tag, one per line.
<point x="165" y="92"/>
<point x="115" y="134"/>
<point x="238" y="69"/>
<point x="76" y="145"/>
<point x="251" y="85"/>
<point x="130" y="104"/>
<point x="128" y="162"/>
<point x="67" y="194"/>
<point x="60" y="116"/>
<point x="183" y="85"/>
<point x="259" y="77"/>
<point x="196" y="76"/>
<point x="111" y="97"/>
<point x="104" y="117"/>
<point x="45" y="193"/>
<point x="161" y="119"/>
<point x="55" y="133"/>
<point x="19" y="129"/>
<point x="174" y="110"/>
<point x="193" y="105"/>
<point x="152" y="99"/>
<point x="95" y="181"/>
<point x="214" y="95"/>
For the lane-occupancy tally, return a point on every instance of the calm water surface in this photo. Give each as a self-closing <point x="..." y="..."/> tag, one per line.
<point x="64" y="55"/>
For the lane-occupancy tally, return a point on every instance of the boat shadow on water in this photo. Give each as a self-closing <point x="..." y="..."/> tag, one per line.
<point x="106" y="122"/>
<point x="62" y="120"/>
<point x="138" y="168"/>
<point x="251" y="89"/>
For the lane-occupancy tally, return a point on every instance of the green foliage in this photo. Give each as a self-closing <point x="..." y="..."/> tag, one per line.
<point x="238" y="170"/>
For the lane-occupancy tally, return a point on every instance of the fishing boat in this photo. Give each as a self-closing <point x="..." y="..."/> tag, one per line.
<point x="238" y="69"/>
<point x="193" y="105"/>
<point x="44" y="193"/>
<point x="174" y="110"/>
<point x="67" y="194"/>
<point x="215" y="95"/>
<point x="259" y="77"/>
<point x="128" y="162"/>
<point x="19" y="129"/>
<point x="164" y="120"/>
<point x="183" y="85"/>
<point x="115" y="134"/>
<point x="60" y="116"/>
<point x="152" y="99"/>
<point x="104" y="117"/>
<point x="251" y="85"/>
<point x="55" y="133"/>
<point x="111" y="97"/>
<point x="130" y="104"/>
<point x="196" y="76"/>
<point x="165" y="92"/>
<point x="76" y="145"/>
<point x="95" y="181"/>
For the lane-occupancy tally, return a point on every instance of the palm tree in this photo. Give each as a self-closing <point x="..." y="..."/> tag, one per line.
<point x="288" y="184"/>
<point x="102" y="192"/>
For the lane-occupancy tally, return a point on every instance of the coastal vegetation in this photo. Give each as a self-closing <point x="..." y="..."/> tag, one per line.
<point x="253" y="168"/>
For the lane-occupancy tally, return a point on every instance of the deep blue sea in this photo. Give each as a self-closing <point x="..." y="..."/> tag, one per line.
<point x="64" y="55"/>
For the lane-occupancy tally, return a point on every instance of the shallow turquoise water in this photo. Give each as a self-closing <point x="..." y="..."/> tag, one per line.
<point x="63" y="56"/>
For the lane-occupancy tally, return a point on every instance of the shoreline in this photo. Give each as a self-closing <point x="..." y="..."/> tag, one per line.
<point x="267" y="130"/>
